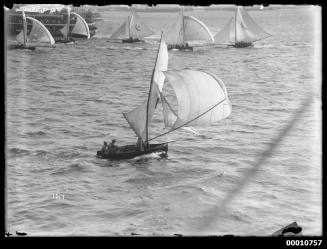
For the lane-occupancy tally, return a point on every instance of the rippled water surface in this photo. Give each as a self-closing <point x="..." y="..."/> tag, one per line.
<point x="62" y="103"/>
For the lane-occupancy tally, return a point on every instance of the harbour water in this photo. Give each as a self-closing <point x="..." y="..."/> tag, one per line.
<point x="62" y="103"/>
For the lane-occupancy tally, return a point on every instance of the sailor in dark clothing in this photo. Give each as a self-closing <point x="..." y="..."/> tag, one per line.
<point x="112" y="144"/>
<point x="140" y="144"/>
<point x="104" y="147"/>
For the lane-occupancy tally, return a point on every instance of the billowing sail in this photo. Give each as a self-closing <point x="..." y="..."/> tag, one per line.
<point x="240" y="28"/>
<point x="122" y="32"/>
<point x="137" y="117"/>
<point x="161" y="65"/>
<point x="39" y="35"/>
<point x="81" y="28"/>
<point x="134" y="28"/>
<point x="176" y="34"/>
<point x="195" y="30"/>
<point x="247" y="28"/>
<point x="22" y="36"/>
<point x="138" y="29"/>
<point x="66" y="28"/>
<point x="202" y="98"/>
<point x="227" y="34"/>
<point x="188" y="29"/>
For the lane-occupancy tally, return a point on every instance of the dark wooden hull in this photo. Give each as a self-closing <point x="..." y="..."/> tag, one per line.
<point x="131" y="151"/>
<point x="20" y="46"/>
<point x="131" y="40"/>
<point x="242" y="45"/>
<point x="180" y="47"/>
<point x="66" y="41"/>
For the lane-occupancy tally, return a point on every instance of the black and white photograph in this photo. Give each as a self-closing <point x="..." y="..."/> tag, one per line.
<point x="163" y="120"/>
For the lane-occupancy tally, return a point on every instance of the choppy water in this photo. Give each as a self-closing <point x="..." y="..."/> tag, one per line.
<point x="63" y="103"/>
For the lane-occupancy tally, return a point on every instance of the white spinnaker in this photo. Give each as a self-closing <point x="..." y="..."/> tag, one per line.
<point x="65" y="30"/>
<point x="81" y="27"/>
<point x="202" y="98"/>
<point x="138" y="29"/>
<point x="195" y="30"/>
<point x="137" y="117"/>
<point x="39" y="35"/>
<point x="227" y="34"/>
<point x="175" y="35"/>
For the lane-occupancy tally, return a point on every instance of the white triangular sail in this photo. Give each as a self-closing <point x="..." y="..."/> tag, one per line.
<point x="202" y="98"/>
<point x="22" y="36"/>
<point x="176" y="34"/>
<point x="81" y="27"/>
<point x="65" y="30"/>
<point x="137" y="28"/>
<point x="240" y="28"/>
<point x="39" y="35"/>
<point x="188" y="29"/>
<point x="227" y="34"/>
<point x="133" y="28"/>
<point x="137" y="117"/>
<point x="250" y="30"/>
<point x="122" y="32"/>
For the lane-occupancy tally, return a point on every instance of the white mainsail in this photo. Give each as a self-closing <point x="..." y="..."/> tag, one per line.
<point x="241" y="28"/>
<point x="137" y="118"/>
<point x="227" y="34"/>
<point x="22" y="36"/>
<point x="65" y="30"/>
<point x="133" y="27"/>
<point x="39" y="35"/>
<point x="202" y="99"/>
<point x="137" y="28"/>
<point x="188" y="29"/>
<point x="81" y="27"/>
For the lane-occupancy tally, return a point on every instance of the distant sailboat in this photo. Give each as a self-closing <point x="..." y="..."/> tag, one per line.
<point x="132" y="30"/>
<point x="202" y="100"/>
<point x="241" y="31"/>
<point x="39" y="36"/>
<point x="66" y="31"/>
<point x="187" y="29"/>
<point x="80" y="29"/>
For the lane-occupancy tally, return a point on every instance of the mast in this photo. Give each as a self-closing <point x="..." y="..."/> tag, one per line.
<point x="235" y="24"/>
<point x="68" y="22"/>
<point x="147" y="104"/>
<point x="24" y="28"/>
<point x="183" y="25"/>
<point x="129" y="24"/>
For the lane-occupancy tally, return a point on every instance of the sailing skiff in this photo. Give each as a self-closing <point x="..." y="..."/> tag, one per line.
<point x="39" y="36"/>
<point x="241" y="31"/>
<point x="202" y="100"/>
<point x="132" y="30"/>
<point x="80" y="29"/>
<point x="185" y="31"/>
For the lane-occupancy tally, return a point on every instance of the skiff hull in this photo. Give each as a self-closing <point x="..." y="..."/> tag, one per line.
<point x="20" y="46"/>
<point x="181" y="48"/>
<point x="242" y="45"/>
<point x="131" y="40"/>
<point x="131" y="151"/>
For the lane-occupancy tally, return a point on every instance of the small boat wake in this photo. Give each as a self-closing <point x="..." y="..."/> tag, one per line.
<point x="126" y="48"/>
<point x="155" y="155"/>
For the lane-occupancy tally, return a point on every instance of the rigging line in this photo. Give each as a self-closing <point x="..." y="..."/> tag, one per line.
<point x="212" y="213"/>
<point x="188" y="121"/>
<point x="147" y="104"/>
